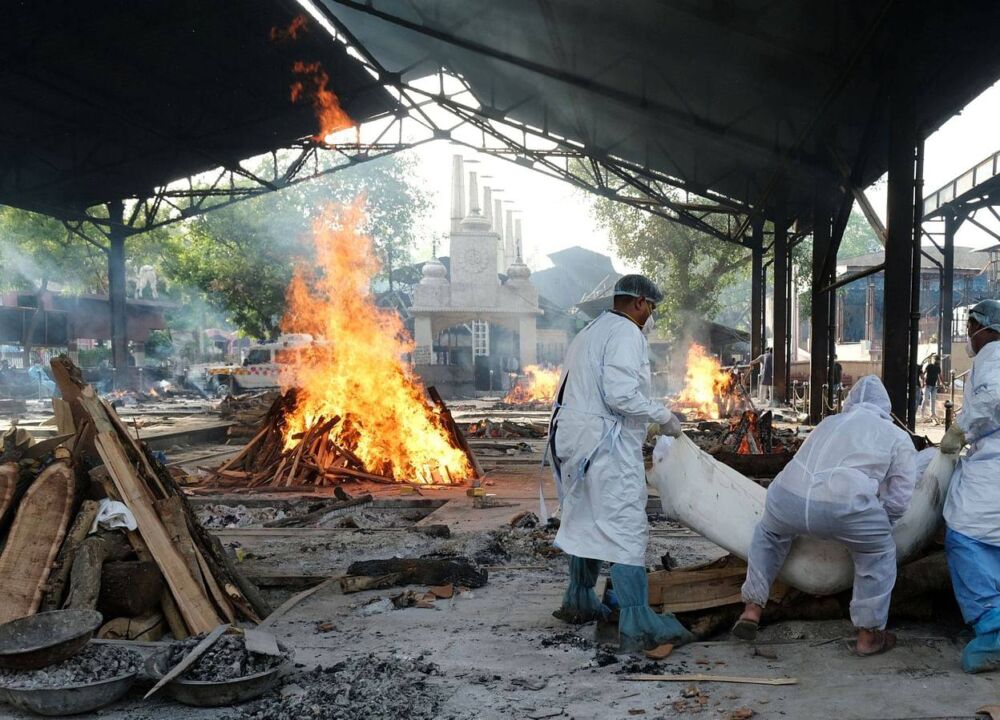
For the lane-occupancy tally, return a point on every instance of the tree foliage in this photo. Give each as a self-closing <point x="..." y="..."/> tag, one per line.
<point x="689" y="266"/>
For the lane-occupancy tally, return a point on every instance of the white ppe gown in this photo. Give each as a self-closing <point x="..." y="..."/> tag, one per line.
<point x="973" y="504"/>
<point x="597" y="430"/>
<point x="851" y="479"/>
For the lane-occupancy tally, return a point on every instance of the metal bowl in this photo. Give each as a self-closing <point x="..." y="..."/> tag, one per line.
<point x="202" y="693"/>
<point x="47" y="638"/>
<point x="72" y="699"/>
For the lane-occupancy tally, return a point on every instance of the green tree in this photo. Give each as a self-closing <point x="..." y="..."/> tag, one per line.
<point x="241" y="257"/>
<point x="689" y="266"/>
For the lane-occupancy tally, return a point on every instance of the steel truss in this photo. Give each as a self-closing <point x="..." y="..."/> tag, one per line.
<point x="445" y="101"/>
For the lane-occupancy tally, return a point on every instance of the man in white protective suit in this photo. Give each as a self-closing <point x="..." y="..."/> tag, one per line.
<point x="599" y="422"/>
<point x="851" y="480"/>
<point x="972" y="508"/>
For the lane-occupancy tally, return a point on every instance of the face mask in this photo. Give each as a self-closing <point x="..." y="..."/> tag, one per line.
<point x="969" y="350"/>
<point x="647" y="327"/>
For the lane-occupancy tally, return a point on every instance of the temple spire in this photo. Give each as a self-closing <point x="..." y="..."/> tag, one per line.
<point x="474" y="208"/>
<point x="488" y="205"/>
<point x="457" y="192"/>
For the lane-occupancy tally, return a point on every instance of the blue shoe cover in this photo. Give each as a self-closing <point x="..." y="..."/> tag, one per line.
<point x="982" y="654"/>
<point x="580" y="602"/>
<point x="639" y="627"/>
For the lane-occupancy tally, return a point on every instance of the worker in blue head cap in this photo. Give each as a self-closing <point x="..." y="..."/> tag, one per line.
<point x="600" y="419"/>
<point x="972" y="508"/>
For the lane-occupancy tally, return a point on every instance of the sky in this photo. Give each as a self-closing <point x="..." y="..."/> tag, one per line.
<point x="555" y="215"/>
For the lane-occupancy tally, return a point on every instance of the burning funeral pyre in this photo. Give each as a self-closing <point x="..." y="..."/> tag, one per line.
<point x="351" y="407"/>
<point x="535" y="388"/>
<point x="707" y="386"/>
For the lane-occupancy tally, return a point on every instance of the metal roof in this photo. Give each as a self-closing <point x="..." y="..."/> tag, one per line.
<point x="745" y="99"/>
<point x="107" y="100"/>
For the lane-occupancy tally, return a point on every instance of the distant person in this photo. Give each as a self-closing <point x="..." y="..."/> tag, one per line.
<point x="838" y="378"/>
<point x="850" y="482"/>
<point x="930" y="376"/>
<point x="765" y="390"/>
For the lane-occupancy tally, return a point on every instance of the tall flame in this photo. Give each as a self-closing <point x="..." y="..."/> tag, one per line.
<point x="540" y="387"/>
<point x="355" y="370"/>
<point x="312" y="84"/>
<point x="704" y="381"/>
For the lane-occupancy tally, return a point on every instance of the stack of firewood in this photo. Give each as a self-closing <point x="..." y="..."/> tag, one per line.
<point x="167" y="574"/>
<point x="316" y="458"/>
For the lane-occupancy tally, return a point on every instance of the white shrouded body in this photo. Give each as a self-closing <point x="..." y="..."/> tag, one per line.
<point x="724" y="506"/>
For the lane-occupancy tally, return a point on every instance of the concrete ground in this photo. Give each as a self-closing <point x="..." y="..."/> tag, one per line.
<point x="501" y="654"/>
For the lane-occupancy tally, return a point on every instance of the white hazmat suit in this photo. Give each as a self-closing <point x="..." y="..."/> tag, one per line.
<point x="598" y="428"/>
<point x="851" y="479"/>
<point x="973" y="504"/>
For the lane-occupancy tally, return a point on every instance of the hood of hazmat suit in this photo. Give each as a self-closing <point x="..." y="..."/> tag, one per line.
<point x="973" y="504"/>
<point x="854" y="459"/>
<point x="598" y="426"/>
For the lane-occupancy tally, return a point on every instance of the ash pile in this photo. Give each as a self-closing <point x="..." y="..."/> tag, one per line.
<point x="361" y="688"/>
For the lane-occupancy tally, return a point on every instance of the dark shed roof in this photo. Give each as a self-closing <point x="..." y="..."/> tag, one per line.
<point x="728" y="96"/>
<point x="107" y="100"/>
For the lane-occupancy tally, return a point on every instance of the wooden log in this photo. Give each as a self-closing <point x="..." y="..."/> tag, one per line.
<point x="10" y="487"/>
<point x="316" y="515"/>
<point x="88" y="564"/>
<point x="192" y="601"/>
<point x="64" y="560"/>
<point x="175" y="524"/>
<point x="147" y="628"/>
<point x="34" y="540"/>
<point x="456" y="432"/>
<point x="424" y="571"/>
<point x="131" y="588"/>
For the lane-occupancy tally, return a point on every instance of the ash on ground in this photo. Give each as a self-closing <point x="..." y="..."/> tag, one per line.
<point x="362" y="688"/>
<point x="514" y="545"/>
<point x="217" y="517"/>
<point x="94" y="663"/>
<point x="227" y="659"/>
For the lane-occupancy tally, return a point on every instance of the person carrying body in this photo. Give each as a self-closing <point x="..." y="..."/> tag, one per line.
<point x="599" y="422"/>
<point x="851" y="480"/>
<point x="972" y="508"/>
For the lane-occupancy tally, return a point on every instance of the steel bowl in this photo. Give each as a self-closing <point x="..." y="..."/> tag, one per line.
<point x="36" y="641"/>
<point x="203" y="693"/>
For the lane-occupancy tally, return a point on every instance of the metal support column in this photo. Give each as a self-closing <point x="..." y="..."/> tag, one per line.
<point x="820" y="335"/>
<point x="780" y="306"/>
<point x="951" y="225"/>
<point x="116" y="286"/>
<point x="899" y="255"/>
<point x="918" y="194"/>
<point x="757" y="291"/>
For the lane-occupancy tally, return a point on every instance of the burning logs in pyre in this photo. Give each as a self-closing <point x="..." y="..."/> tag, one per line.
<point x="352" y="407"/>
<point x="535" y="389"/>
<point x="324" y="453"/>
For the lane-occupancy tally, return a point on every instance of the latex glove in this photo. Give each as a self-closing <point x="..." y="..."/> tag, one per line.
<point x="671" y="428"/>
<point x="953" y="440"/>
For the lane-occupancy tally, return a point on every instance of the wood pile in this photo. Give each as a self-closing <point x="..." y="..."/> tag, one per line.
<point x="316" y="459"/>
<point x="173" y="573"/>
<point x="247" y="412"/>
<point x="507" y="429"/>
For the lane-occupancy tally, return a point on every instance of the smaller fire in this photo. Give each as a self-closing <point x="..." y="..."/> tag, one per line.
<point x="538" y="386"/>
<point x="312" y="84"/>
<point x="704" y="382"/>
<point x="297" y="25"/>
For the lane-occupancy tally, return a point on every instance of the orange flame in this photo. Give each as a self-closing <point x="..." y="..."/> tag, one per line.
<point x="312" y="84"/>
<point x="704" y="381"/>
<point x="355" y="369"/>
<point x="540" y="387"/>
<point x="292" y="31"/>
